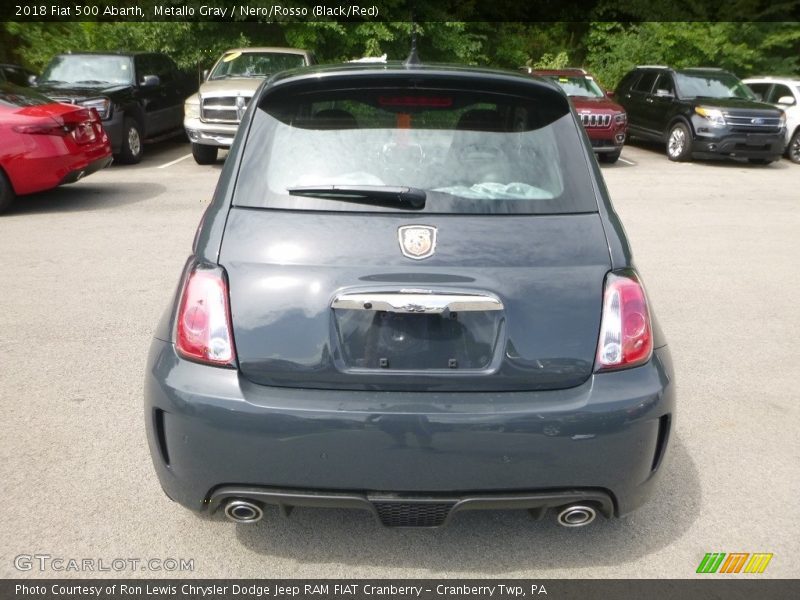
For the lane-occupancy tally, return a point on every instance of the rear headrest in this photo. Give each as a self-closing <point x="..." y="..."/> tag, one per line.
<point x="480" y="119"/>
<point x="334" y="118"/>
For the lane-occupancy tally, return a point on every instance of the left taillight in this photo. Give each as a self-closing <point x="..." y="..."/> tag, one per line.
<point x="626" y="332"/>
<point x="203" y="331"/>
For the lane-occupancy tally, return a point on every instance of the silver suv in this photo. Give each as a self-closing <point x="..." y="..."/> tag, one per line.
<point x="212" y="116"/>
<point x="783" y="92"/>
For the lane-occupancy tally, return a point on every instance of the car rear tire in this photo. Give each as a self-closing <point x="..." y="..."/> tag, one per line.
<point x="132" y="146"/>
<point x="679" y="143"/>
<point x="610" y="157"/>
<point x="6" y="192"/>
<point x="793" y="151"/>
<point x="204" y="155"/>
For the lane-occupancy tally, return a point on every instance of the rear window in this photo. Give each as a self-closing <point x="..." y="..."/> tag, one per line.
<point x="469" y="152"/>
<point x="645" y="83"/>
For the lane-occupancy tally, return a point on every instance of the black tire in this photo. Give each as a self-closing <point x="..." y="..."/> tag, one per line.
<point x="679" y="143"/>
<point x="204" y="155"/>
<point x="609" y="157"/>
<point x="132" y="143"/>
<point x="761" y="161"/>
<point x="7" y="194"/>
<point x="793" y="150"/>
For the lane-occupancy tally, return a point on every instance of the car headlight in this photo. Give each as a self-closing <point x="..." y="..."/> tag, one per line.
<point x="620" y="118"/>
<point x="713" y="115"/>
<point x="101" y="105"/>
<point x="782" y="120"/>
<point x="191" y="110"/>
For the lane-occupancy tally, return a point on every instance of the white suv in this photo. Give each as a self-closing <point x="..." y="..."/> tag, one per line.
<point x="783" y="92"/>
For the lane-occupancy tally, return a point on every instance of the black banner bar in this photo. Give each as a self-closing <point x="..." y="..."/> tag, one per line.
<point x="715" y="586"/>
<point x="284" y="11"/>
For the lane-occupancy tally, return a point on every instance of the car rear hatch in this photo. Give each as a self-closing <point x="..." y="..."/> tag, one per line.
<point x="492" y="281"/>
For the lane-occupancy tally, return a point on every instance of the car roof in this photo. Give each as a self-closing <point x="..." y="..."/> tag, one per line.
<point x="712" y="69"/>
<point x="399" y="68"/>
<point x="110" y="53"/>
<point x="272" y="50"/>
<point x="566" y="72"/>
<point x="773" y="79"/>
<point x="686" y="70"/>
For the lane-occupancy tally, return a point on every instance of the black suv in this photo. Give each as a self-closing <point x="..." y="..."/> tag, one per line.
<point x="138" y="95"/>
<point x="15" y="74"/>
<point x="700" y="113"/>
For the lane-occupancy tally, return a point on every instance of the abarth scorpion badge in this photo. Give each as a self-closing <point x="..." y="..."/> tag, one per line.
<point x="417" y="241"/>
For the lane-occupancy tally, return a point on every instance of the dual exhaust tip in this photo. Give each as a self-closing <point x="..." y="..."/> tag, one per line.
<point x="244" y="511"/>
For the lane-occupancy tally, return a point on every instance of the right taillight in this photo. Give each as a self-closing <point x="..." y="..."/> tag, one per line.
<point x="203" y="328"/>
<point x="626" y="335"/>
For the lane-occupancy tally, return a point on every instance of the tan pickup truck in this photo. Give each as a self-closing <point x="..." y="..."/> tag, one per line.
<point x="212" y="116"/>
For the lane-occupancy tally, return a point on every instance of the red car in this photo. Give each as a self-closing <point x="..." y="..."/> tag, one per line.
<point x="44" y="144"/>
<point x="604" y="120"/>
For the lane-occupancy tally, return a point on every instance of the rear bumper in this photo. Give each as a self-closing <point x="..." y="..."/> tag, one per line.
<point x="56" y="161"/>
<point x="406" y="510"/>
<point x="90" y="168"/>
<point x="212" y="432"/>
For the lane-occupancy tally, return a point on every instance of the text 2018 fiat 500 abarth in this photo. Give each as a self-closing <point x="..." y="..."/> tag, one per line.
<point x="410" y="295"/>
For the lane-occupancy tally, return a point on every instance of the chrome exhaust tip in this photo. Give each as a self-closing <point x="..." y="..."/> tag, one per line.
<point x="576" y="515"/>
<point x="243" y="511"/>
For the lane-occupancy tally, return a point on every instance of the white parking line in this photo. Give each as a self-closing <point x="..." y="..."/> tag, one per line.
<point x="627" y="162"/>
<point x="177" y="160"/>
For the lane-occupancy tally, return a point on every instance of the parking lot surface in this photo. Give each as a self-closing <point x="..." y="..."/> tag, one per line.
<point x="87" y="270"/>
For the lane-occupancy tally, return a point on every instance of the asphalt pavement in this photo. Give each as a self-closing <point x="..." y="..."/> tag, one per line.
<point x="87" y="270"/>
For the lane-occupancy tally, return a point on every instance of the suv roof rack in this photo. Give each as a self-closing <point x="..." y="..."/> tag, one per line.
<point x="702" y="69"/>
<point x="775" y="77"/>
<point x="567" y="69"/>
<point x="652" y="67"/>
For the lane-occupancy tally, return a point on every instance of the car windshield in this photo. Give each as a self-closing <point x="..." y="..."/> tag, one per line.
<point x="88" y="68"/>
<point x="255" y="64"/>
<point x="578" y="86"/>
<point x="469" y="152"/>
<point x="712" y="85"/>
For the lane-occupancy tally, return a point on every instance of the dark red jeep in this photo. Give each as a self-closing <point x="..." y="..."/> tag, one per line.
<point x="604" y="120"/>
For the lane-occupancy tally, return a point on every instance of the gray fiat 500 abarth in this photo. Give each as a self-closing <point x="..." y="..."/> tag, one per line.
<point x="410" y="295"/>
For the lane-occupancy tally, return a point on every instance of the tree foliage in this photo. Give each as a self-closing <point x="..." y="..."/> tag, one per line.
<point x="608" y="48"/>
<point x="744" y="48"/>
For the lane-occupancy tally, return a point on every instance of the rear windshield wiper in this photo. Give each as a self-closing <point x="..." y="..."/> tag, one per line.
<point x="383" y="195"/>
